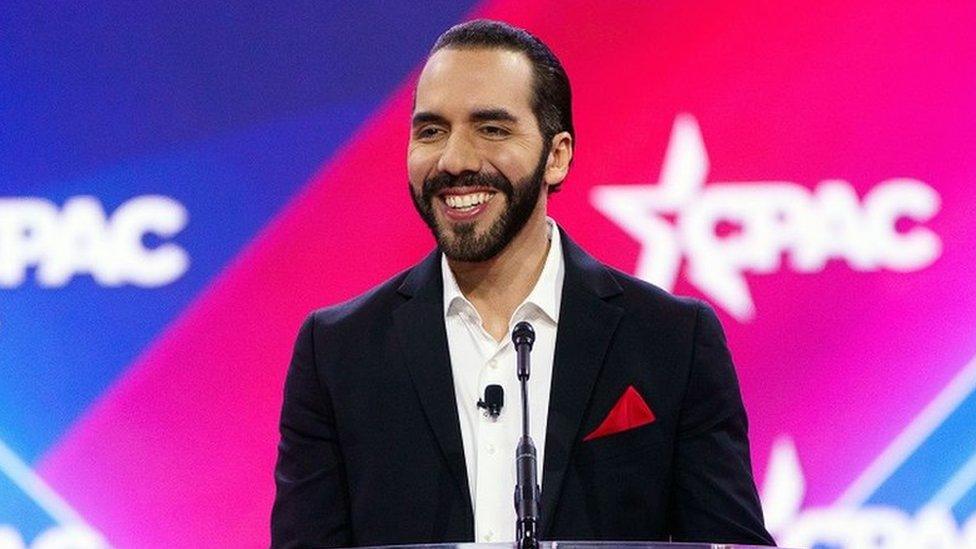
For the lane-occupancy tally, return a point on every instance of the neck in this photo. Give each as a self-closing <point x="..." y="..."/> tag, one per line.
<point x="497" y="286"/>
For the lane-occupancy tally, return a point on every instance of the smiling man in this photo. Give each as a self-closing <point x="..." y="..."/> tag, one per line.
<point x="641" y="428"/>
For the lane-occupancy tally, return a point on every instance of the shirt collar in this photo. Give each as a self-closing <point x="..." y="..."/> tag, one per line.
<point x="545" y="295"/>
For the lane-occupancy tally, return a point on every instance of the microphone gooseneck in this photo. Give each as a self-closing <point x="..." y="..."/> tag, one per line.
<point x="526" y="486"/>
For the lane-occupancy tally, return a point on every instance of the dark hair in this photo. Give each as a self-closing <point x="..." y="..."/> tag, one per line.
<point x="551" y="97"/>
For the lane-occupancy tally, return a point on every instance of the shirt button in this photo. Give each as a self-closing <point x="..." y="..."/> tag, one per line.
<point x="489" y="535"/>
<point x="491" y="449"/>
<point x="493" y="364"/>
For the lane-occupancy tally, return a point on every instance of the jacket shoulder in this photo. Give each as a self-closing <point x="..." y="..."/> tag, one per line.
<point x="377" y="302"/>
<point x="641" y="296"/>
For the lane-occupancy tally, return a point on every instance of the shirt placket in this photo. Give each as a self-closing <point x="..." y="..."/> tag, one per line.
<point x="493" y="462"/>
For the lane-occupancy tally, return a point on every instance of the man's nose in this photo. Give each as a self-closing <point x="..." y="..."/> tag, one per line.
<point x="459" y="156"/>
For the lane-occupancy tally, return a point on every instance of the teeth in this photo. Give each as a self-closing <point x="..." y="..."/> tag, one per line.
<point x="467" y="201"/>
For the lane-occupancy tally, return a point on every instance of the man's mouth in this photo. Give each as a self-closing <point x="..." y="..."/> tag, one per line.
<point x="466" y="205"/>
<point x="467" y="202"/>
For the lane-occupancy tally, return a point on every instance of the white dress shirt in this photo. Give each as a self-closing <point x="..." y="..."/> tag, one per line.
<point x="477" y="360"/>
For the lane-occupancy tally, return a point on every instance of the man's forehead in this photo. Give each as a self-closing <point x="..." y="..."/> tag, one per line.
<point x="471" y="78"/>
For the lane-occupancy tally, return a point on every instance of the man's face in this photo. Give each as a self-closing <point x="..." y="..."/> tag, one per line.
<point x="476" y="159"/>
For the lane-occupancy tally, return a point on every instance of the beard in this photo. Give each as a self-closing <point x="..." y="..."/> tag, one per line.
<point x="460" y="241"/>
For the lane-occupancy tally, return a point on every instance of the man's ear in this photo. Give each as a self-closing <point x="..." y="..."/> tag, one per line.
<point x="560" y="157"/>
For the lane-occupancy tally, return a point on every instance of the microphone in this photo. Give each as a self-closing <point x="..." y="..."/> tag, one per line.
<point x="493" y="401"/>
<point x="523" y="336"/>
<point x="526" y="485"/>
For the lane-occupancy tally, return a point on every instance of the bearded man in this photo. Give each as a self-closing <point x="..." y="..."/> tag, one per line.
<point x="636" y="404"/>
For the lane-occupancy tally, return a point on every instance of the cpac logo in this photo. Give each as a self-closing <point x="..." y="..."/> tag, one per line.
<point x="56" y="537"/>
<point x="61" y="526"/>
<point x="850" y="527"/>
<point x="767" y="219"/>
<point x="81" y="239"/>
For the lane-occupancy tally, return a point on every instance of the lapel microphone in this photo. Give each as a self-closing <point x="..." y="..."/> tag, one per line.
<point x="493" y="401"/>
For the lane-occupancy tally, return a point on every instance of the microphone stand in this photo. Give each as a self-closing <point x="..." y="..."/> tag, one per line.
<point x="526" y="486"/>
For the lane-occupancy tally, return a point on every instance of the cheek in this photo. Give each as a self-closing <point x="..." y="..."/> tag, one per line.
<point x="510" y="163"/>
<point x="418" y="168"/>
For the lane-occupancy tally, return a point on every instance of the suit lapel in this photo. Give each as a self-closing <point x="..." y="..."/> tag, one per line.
<point x="420" y="326"/>
<point x="586" y="325"/>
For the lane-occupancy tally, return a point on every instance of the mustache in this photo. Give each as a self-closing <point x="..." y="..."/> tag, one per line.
<point x="442" y="181"/>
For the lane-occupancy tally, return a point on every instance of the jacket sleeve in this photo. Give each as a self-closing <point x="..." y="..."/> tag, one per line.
<point x="714" y="498"/>
<point x="311" y="505"/>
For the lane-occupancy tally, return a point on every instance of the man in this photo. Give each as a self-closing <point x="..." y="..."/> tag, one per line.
<point x="637" y="414"/>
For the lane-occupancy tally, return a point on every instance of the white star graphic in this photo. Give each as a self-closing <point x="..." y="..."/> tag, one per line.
<point x="636" y="209"/>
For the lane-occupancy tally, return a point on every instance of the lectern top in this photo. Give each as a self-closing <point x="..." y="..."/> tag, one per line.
<point x="580" y="545"/>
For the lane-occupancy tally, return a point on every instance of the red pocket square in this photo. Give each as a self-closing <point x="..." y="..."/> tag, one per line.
<point x="629" y="412"/>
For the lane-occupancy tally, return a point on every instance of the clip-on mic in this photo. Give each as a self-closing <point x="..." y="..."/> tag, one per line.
<point x="493" y="401"/>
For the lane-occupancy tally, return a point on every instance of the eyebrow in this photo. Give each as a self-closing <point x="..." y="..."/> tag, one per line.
<point x="424" y="117"/>
<point x="487" y="115"/>
<point x="480" y="115"/>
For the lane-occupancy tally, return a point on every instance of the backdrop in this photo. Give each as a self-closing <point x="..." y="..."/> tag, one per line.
<point x="182" y="182"/>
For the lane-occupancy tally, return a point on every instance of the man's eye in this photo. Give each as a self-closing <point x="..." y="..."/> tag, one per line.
<point x="494" y="131"/>
<point x="427" y="133"/>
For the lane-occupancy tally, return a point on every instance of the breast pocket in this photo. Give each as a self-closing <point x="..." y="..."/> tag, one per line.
<point x="632" y="444"/>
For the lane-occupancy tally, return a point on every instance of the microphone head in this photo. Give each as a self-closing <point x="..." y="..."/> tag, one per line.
<point x="523" y="334"/>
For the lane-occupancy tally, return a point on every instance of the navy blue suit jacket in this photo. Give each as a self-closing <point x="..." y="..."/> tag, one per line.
<point x="371" y="451"/>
